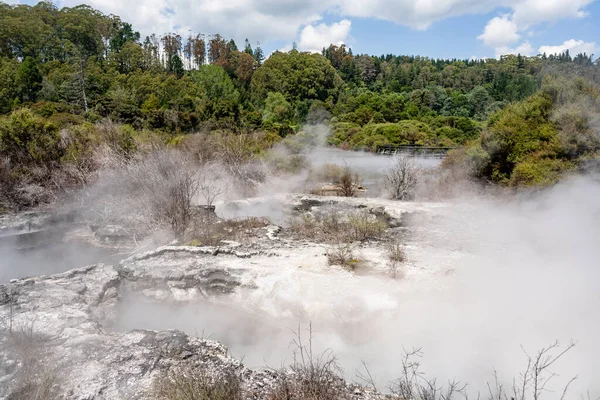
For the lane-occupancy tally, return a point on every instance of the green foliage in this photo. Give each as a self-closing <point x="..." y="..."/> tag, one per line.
<point x="277" y="109"/>
<point x="28" y="139"/>
<point x="298" y="76"/>
<point x="537" y="171"/>
<point x="29" y="79"/>
<point x="519" y="130"/>
<point x="536" y="141"/>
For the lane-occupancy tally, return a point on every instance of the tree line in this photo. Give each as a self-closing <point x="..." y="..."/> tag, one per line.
<point x="75" y="67"/>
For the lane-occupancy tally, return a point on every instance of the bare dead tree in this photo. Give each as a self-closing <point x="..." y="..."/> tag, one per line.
<point x="414" y="385"/>
<point x="401" y="178"/>
<point x="533" y="381"/>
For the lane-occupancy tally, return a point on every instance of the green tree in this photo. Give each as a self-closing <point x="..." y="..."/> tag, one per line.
<point x="298" y="76"/>
<point x="277" y="109"/>
<point x="29" y="79"/>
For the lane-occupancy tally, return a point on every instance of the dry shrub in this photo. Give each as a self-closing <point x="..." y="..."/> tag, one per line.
<point x="413" y="384"/>
<point x="401" y="178"/>
<point x="332" y="178"/>
<point x="334" y="227"/>
<point x="7" y="185"/>
<point x="396" y="256"/>
<point x="212" y="232"/>
<point x="344" y="256"/>
<point x="167" y="184"/>
<point x="364" y="226"/>
<point x="187" y="383"/>
<point x="395" y="252"/>
<point x="330" y="173"/>
<point x="311" y="376"/>
<point x="348" y="183"/>
<point x="35" y="378"/>
<point x="236" y="153"/>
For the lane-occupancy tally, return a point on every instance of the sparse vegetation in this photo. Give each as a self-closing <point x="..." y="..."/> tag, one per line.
<point x="35" y="378"/>
<point x="345" y="256"/>
<point x="311" y="376"/>
<point x="395" y="252"/>
<point x="211" y="231"/>
<point x="195" y="383"/>
<point x="335" y="227"/>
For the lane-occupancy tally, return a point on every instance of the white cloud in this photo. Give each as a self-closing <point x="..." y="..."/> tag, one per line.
<point x="524" y="49"/>
<point x="531" y="12"/>
<point x="504" y="30"/>
<point x="574" y="46"/>
<point x="280" y="20"/>
<point x="314" y="37"/>
<point x="500" y="32"/>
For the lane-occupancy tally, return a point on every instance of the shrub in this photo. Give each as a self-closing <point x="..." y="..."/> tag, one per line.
<point x="313" y="376"/>
<point x="347" y="182"/>
<point x="187" y="383"/>
<point x="165" y="184"/>
<point x="395" y="252"/>
<point x="401" y="178"/>
<point x="344" y="256"/>
<point x="535" y="171"/>
<point x="28" y="139"/>
<point x="364" y="226"/>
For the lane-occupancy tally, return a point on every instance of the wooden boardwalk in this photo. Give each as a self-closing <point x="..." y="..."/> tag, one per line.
<point x="414" y="151"/>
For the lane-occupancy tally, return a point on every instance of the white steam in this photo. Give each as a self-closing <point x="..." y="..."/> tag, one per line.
<point x="485" y="278"/>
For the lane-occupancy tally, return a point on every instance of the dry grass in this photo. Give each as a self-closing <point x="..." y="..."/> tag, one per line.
<point x="35" y="378"/>
<point x="187" y="383"/>
<point x="211" y="232"/>
<point x="345" y="256"/>
<point x="334" y="227"/>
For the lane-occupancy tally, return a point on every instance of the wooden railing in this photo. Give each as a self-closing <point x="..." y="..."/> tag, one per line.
<point x="415" y="151"/>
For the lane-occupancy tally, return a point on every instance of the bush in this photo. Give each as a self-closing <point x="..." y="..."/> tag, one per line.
<point x="313" y="376"/>
<point x="345" y="257"/>
<point x="395" y="252"/>
<point x="535" y="171"/>
<point x="187" y="383"/>
<point x="401" y="178"/>
<point x="165" y="184"/>
<point x="28" y="139"/>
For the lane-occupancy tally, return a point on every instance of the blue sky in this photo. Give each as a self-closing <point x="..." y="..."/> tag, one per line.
<point x="434" y="28"/>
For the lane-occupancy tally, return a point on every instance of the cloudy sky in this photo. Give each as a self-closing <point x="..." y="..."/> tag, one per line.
<point x="434" y="28"/>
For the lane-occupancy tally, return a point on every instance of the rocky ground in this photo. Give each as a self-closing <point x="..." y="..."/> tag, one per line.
<point x="59" y="329"/>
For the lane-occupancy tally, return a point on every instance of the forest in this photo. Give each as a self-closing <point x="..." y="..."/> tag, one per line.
<point x="72" y="79"/>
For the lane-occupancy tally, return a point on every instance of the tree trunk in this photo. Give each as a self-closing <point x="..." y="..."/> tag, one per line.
<point x="82" y="82"/>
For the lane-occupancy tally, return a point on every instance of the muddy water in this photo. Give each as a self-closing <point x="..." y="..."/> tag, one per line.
<point x="50" y="259"/>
